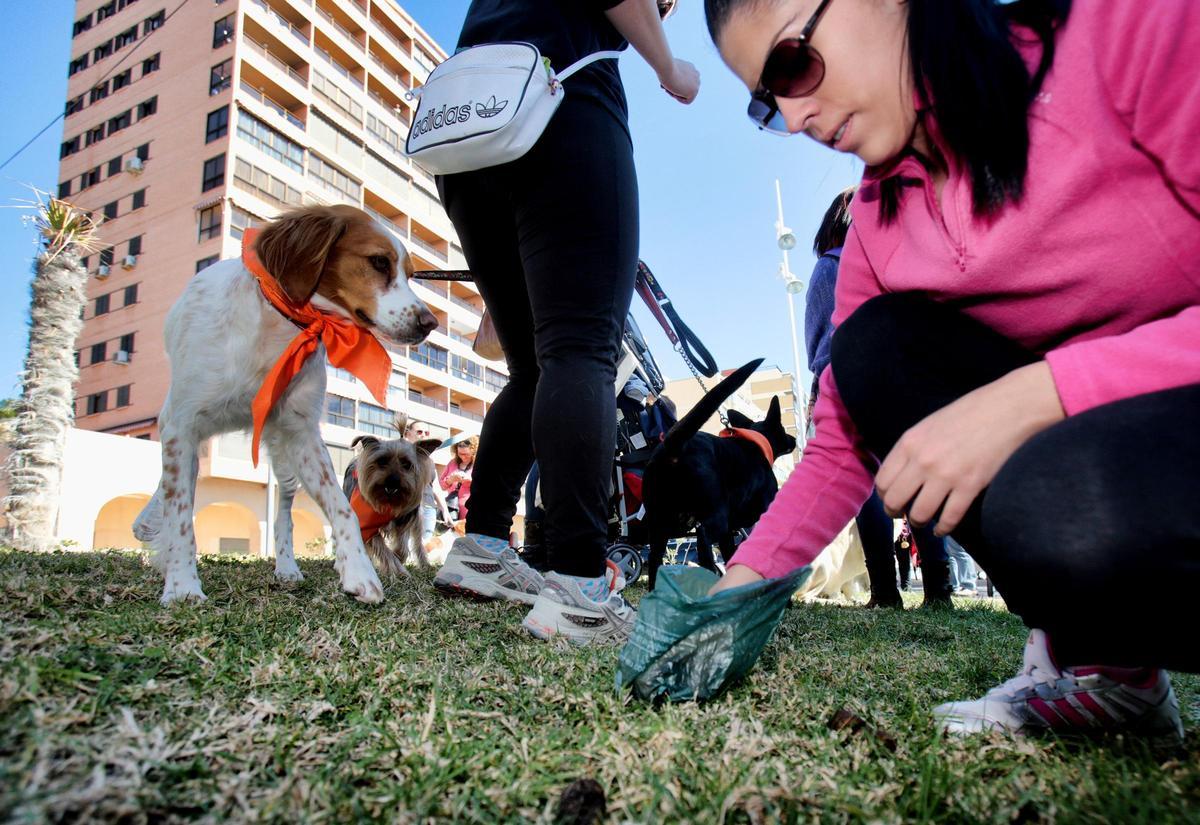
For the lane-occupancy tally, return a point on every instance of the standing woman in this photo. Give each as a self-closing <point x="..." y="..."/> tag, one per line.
<point x="552" y="242"/>
<point x="456" y="478"/>
<point x="1017" y="355"/>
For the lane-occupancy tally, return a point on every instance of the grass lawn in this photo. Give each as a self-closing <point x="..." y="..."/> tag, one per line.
<point x="297" y="704"/>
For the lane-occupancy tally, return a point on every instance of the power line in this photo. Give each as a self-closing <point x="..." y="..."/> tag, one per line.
<point x="115" y="66"/>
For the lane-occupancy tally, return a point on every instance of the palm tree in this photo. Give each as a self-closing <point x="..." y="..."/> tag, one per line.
<point x="47" y="404"/>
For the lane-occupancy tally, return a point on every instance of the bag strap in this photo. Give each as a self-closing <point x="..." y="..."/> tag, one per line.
<point x="579" y="64"/>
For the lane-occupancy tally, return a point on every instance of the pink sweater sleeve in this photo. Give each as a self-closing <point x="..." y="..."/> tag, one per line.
<point x="836" y="473"/>
<point x="1139" y="53"/>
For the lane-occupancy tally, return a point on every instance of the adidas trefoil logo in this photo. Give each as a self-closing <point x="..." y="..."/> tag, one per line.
<point x="491" y="108"/>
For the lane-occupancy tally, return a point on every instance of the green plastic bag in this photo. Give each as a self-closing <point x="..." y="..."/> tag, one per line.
<point x="689" y="645"/>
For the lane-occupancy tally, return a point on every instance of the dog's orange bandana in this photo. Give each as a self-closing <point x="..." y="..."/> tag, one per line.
<point x="754" y="437"/>
<point x="348" y="345"/>
<point x="370" y="520"/>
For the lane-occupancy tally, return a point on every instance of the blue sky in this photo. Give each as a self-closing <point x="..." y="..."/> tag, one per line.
<point x="706" y="178"/>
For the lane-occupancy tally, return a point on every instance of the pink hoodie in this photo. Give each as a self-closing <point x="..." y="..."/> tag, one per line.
<point x="1098" y="267"/>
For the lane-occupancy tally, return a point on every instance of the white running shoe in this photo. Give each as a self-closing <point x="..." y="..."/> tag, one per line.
<point x="1070" y="700"/>
<point x="472" y="571"/>
<point x="563" y="610"/>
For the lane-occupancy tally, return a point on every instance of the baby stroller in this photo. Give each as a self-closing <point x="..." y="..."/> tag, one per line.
<point x="644" y="415"/>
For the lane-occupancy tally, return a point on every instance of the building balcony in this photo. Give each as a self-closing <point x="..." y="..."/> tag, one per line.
<point x="273" y="19"/>
<point x="341" y="32"/>
<point x="261" y="54"/>
<point x="270" y="104"/>
<point x="332" y="62"/>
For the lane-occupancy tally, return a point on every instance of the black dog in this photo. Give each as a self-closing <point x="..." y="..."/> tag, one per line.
<point x="718" y="485"/>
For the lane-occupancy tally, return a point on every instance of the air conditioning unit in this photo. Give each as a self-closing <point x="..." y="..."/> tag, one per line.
<point x="121" y="356"/>
<point x="130" y="262"/>
<point x="103" y="271"/>
<point x="134" y="165"/>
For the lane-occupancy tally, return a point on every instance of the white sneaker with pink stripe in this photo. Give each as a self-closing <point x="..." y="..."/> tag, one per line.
<point x="1070" y="700"/>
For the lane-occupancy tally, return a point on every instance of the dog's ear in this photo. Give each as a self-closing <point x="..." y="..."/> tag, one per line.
<point x="774" y="414"/>
<point x="737" y="419"/>
<point x="294" y="248"/>
<point x="400" y="422"/>
<point x="364" y="442"/>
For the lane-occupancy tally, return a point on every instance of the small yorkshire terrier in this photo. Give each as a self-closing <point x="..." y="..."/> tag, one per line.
<point x="385" y="483"/>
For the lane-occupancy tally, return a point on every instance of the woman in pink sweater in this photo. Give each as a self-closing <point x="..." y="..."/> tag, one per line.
<point x="1017" y="359"/>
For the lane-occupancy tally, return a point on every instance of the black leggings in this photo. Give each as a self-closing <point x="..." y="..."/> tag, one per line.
<point x="1091" y="530"/>
<point x="552" y="242"/>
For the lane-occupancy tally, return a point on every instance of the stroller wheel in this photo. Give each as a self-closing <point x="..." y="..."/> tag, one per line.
<point x="628" y="557"/>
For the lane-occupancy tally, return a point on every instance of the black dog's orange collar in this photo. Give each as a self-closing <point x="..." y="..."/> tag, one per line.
<point x="754" y="437"/>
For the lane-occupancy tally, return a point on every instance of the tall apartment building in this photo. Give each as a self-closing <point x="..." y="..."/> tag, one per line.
<point x="186" y="125"/>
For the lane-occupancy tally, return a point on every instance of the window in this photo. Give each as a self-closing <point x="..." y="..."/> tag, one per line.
<point x="429" y="355"/>
<point x="376" y="420"/>
<point x="106" y="256"/>
<point x="494" y="380"/>
<point x="139" y="199"/>
<point x="110" y="210"/>
<point x="94" y="135"/>
<point x="123" y="3"/>
<point x="214" y="173"/>
<point x="218" y="124"/>
<point x="143" y="152"/>
<point x="205" y="263"/>
<point x="131" y="295"/>
<point x="99" y="352"/>
<point x="114" y="166"/>
<point x="147" y="107"/>
<point x="98" y="92"/>
<point x="121" y="121"/>
<point x="210" y="222"/>
<point x="239" y="221"/>
<point x="125" y="38"/>
<point x="74" y="105"/>
<point x="153" y="22"/>
<point x="270" y="142"/>
<point x="339" y="410"/>
<point x="97" y="403"/>
<point x="123" y="396"/>
<point x="264" y="185"/>
<point x="102" y="51"/>
<point x="64" y="189"/>
<point x="89" y="178"/>
<point x="150" y="64"/>
<point x="106" y="11"/>
<point x="69" y="147"/>
<point x="333" y="178"/>
<point x="223" y="31"/>
<point x="77" y="65"/>
<point x="102" y="305"/>
<point x="220" y="77"/>
<point x="126" y="344"/>
<point x="81" y="25"/>
<point x="135" y="247"/>
<point x="120" y="81"/>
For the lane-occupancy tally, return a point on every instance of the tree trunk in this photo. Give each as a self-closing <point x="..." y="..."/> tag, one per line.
<point x="46" y="408"/>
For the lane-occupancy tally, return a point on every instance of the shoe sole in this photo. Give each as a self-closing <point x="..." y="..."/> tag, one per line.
<point x="543" y="622"/>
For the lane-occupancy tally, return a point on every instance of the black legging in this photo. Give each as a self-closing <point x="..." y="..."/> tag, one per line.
<point x="1087" y="523"/>
<point x="552" y="241"/>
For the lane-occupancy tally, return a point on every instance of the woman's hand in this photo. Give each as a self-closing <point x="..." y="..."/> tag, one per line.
<point x="946" y="460"/>
<point x="735" y="576"/>
<point x="681" y="81"/>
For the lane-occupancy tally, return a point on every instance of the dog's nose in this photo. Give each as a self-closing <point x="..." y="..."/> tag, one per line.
<point x="427" y="321"/>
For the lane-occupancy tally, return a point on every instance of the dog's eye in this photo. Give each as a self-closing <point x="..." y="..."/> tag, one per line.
<point x="381" y="264"/>
<point x="406" y="464"/>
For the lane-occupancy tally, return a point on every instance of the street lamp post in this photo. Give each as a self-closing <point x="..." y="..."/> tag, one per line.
<point x="786" y="240"/>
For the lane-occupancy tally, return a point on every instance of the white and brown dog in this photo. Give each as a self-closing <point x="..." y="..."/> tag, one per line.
<point x="385" y="484"/>
<point x="223" y="337"/>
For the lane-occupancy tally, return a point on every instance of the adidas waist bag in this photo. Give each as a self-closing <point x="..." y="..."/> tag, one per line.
<point x="485" y="106"/>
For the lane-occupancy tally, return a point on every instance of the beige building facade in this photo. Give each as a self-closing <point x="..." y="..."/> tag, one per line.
<point x="185" y="125"/>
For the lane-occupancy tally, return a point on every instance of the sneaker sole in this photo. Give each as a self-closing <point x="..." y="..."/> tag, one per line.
<point x="544" y="622"/>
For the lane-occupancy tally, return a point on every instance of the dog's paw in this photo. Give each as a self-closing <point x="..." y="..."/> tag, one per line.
<point x="360" y="580"/>
<point x="288" y="573"/>
<point x="182" y="590"/>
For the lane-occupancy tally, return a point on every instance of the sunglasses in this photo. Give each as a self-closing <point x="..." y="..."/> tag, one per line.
<point x="793" y="69"/>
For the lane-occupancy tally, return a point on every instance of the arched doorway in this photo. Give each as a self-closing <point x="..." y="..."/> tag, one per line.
<point x="114" y="522"/>
<point x="227" y="528"/>
<point x="308" y="535"/>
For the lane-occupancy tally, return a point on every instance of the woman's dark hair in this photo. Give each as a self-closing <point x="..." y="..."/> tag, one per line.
<point x="968" y="73"/>
<point x="835" y="224"/>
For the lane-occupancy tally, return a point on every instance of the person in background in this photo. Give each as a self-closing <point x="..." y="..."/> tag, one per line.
<point x="552" y="241"/>
<point x="1017" y="313"/>
<point x="875" y="527"/>
<point x="456" y="477"/>
<point x="962" y="568"/>
<point x="432" y="501"/>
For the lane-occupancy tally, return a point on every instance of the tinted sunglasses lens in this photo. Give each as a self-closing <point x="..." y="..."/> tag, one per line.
<point x="793" y="69"/>
<point x="764" y="114"/>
